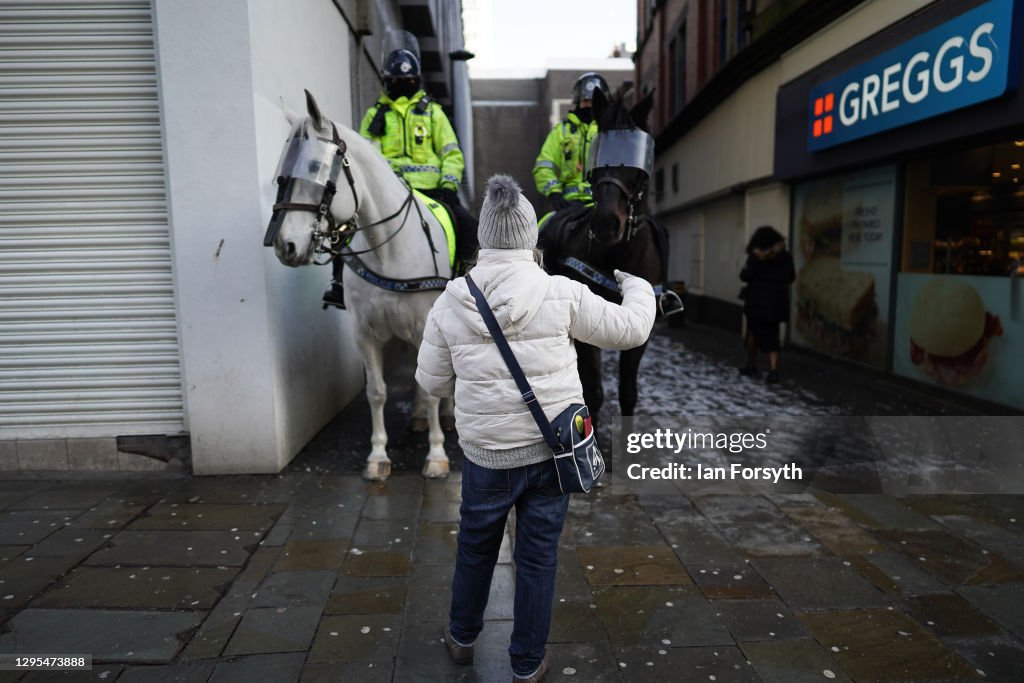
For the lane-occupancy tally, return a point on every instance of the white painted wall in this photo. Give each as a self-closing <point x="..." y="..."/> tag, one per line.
<point x="733" y="145"/>
<point x="264" y="368"/>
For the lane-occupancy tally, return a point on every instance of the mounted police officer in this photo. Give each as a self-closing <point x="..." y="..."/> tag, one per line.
<point x="564" y="162"/>
<point x="560" y="170"/>
<point x="412" y="131"/>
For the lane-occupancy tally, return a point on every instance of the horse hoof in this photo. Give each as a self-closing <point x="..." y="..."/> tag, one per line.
<point x="435" y="469"/>
<point x="448" y="423"/>
<point x="377" y="470"/>
<point x="419" y="424"/>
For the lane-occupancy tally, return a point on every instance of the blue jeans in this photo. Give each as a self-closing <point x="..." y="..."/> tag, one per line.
<point x="487" y="497"/>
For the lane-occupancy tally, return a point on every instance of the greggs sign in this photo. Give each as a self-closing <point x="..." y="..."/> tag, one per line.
<point x="960" y="63"/>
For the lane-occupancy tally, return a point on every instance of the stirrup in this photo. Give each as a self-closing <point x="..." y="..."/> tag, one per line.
<point x="334" y="295"/>
<point x="669" y="303"/>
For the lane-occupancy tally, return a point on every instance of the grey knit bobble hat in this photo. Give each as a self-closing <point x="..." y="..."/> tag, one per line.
<point x="507" y="219"/>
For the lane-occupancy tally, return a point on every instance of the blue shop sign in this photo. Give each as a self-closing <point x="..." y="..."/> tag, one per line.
<point x="965" y="61"/>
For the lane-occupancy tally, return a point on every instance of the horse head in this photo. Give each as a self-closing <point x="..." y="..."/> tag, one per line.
<point x="619" y="166"/>
<point x="314" y="187"/>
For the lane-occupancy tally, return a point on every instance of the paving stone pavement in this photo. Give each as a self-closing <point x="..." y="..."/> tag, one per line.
<point x="245" y="593"/>
<point x="316" y="575"/>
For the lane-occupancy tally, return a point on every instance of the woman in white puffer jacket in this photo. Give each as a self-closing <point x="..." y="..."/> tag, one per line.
<point x="507" y="461"/>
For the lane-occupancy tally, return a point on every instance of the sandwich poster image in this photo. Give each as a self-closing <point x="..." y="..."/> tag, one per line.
<point x="960" y="332"/>
<point x="843" y="229"/>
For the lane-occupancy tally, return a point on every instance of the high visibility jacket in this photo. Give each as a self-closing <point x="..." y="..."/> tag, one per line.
<point x="417" y="138"/>
<point x="563" y="159"/>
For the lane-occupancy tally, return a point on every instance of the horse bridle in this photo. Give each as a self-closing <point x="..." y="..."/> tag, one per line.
<point x="338" y="235"/>
<point x="633" y="199"/>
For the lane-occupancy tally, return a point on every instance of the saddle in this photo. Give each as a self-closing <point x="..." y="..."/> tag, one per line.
<point x="444" y="215"/>
<point x="556" y="228"/>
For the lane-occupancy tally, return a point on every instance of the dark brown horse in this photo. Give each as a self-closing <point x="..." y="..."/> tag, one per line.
<point x="588" y="244"/>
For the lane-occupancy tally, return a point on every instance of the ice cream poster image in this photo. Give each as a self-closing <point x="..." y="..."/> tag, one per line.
<point x="843" y="230"/>
<point x="960" y="332"/>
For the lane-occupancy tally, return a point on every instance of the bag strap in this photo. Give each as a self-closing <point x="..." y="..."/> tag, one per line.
<point x="513" y="366"/>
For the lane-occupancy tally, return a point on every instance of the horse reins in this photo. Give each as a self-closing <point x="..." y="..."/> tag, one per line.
<point x="336" y="240"/>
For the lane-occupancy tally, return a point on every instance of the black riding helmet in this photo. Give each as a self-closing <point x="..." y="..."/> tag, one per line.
<point x="401" y="64"/>
<point x="585" y="85"/>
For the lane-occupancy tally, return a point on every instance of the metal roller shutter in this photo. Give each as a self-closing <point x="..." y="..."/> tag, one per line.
<point x="88" y="333"/>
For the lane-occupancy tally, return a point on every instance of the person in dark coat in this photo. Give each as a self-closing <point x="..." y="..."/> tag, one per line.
<point x="768" y="273"/>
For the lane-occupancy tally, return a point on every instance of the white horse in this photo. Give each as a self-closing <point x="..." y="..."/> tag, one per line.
<point x="368" y="213"/>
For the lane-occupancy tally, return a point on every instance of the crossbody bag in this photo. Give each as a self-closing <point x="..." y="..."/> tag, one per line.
<point x="570" y="436"/>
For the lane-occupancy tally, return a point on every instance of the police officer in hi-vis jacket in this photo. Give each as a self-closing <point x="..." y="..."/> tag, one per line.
<point x="560" y="168"/>
<point x="412" y="131"/>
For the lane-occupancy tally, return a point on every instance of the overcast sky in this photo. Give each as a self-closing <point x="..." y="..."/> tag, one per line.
<point x="527" y="34"/>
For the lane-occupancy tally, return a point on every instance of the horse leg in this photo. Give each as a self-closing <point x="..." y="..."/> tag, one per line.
<point x="436" y="465"/>
<point x="629" y="368"/>
<point x="378" y="465"/>
<point x="588" y="363"/>
<point x="448" y="414"/>
<point x="419" y="412"/>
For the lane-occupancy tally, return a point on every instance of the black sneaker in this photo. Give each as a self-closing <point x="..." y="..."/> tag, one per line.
<point x="773" y="377"/>
<point x="334" y="295"/>
<point x="748" y="371"/>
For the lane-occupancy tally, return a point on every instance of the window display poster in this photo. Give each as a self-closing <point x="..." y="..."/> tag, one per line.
<point x="843" y="232"/>
<point x="961" y="332"/>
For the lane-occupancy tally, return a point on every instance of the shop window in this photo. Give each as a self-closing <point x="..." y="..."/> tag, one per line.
<point x="965" y="212"/>
<point x="843" y="229"/>
<point x="960" y="317"/>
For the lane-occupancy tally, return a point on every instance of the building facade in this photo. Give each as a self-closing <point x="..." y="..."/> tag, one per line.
<point x="885" y="140"/>
<point x="142" y="322"/>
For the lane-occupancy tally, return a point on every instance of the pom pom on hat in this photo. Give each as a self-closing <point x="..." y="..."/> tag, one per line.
<point x="507" y="219"/>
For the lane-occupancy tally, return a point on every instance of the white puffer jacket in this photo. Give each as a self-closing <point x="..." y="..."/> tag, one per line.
<point x="540" y="315"/>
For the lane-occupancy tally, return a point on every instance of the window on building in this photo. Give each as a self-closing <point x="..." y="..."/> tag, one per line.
<point x="659" y="184"/>
<point x="723" y="32"/>
<point x="677" y="70"/>
<point x="742" y="24"/>
<point x="675" y="178"/>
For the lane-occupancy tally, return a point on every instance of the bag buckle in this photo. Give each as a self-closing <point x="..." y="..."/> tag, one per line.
<point x="529" y="397"/>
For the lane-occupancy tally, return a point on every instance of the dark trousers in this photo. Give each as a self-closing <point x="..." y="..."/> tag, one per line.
<point x="541" y="507"/>
<point x="660" y="234"/>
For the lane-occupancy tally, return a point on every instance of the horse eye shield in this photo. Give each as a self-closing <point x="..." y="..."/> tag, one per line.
<point x="315" y="159"/>
<point x="616" y="148"/>
<point x="309" y="166"/>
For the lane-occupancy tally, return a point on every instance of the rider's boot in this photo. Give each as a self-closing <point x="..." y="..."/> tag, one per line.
<point x="334" y="295"/>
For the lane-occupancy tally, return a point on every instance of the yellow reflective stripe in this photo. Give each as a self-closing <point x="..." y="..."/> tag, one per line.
<point x="451" y="146"/>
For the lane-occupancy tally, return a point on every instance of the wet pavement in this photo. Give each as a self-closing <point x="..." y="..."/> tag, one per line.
<point x="315" y="575"/>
